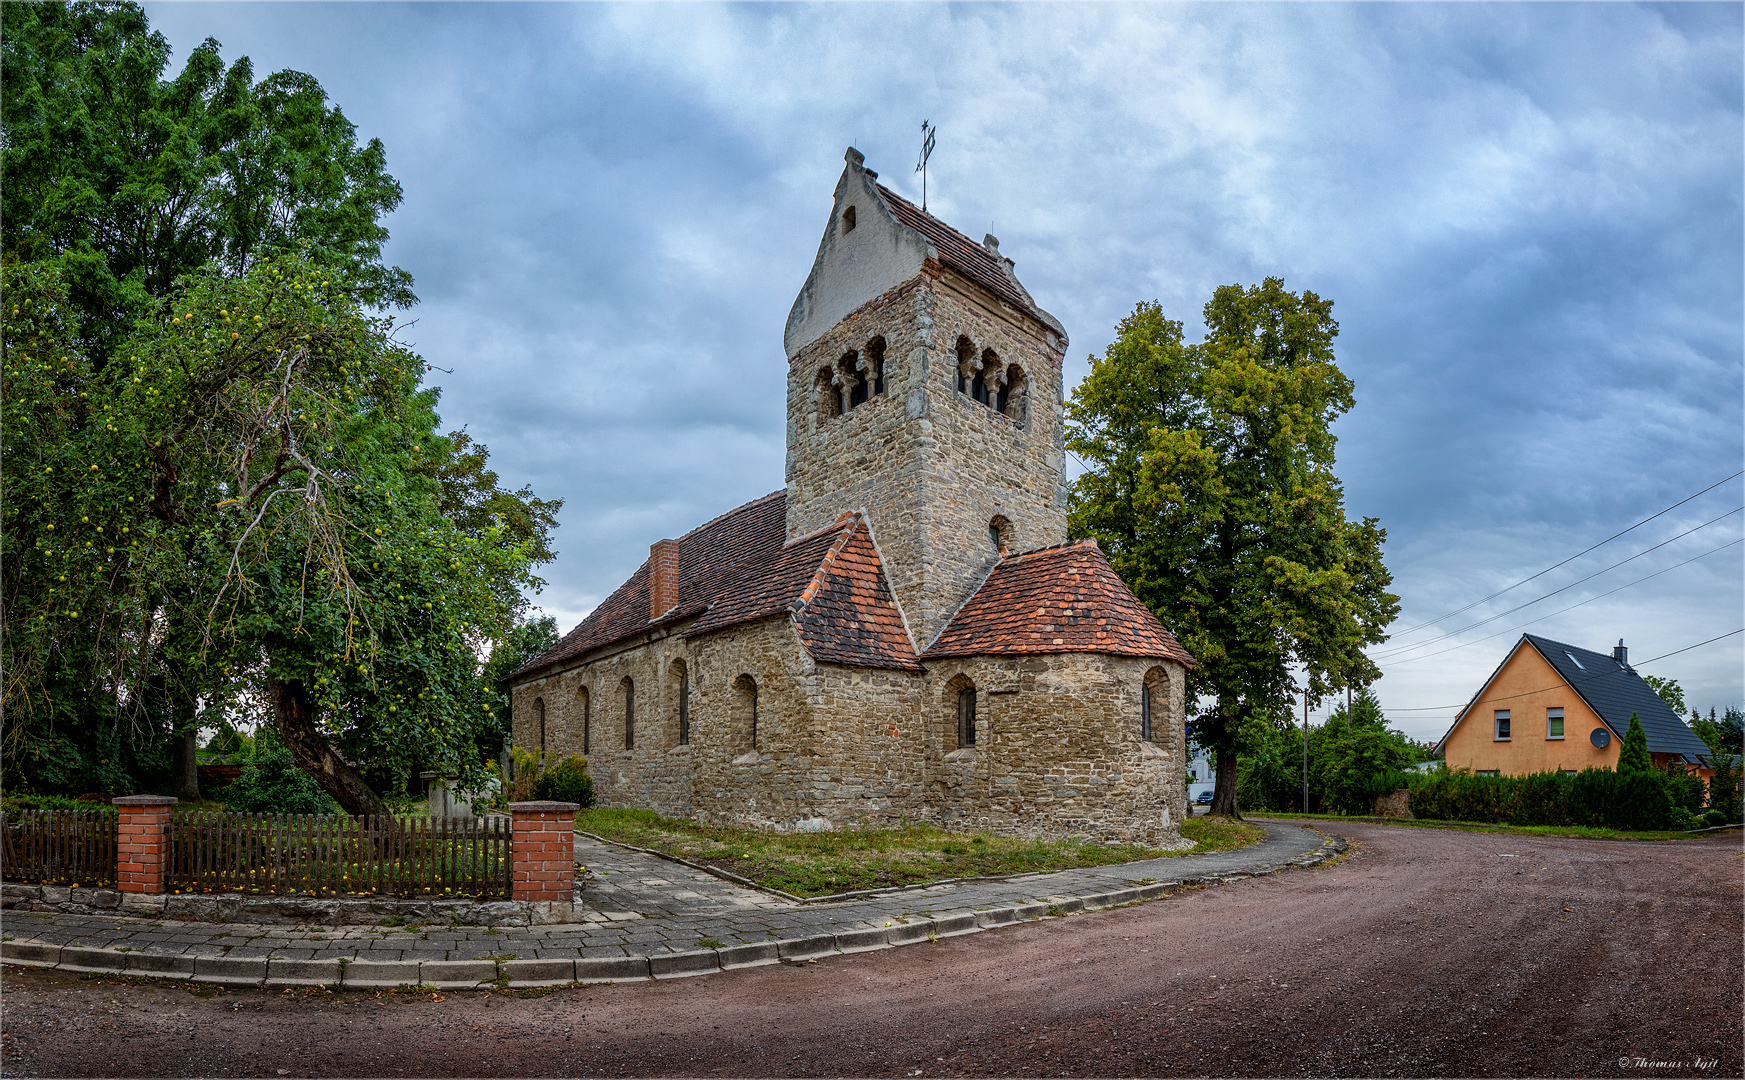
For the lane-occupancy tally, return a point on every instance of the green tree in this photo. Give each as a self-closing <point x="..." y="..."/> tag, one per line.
<point x="1669" y="691"/>
<point x="1724" y="734"/>
<point x="529" y="638"/>
<point x="1633" y="751"/>
<point x="1209" y="483"/>
<point x="268" y="463"/>
<point x="128" y="180"/>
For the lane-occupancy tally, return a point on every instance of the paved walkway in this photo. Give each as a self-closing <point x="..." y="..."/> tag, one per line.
<point x="648" y="917"/>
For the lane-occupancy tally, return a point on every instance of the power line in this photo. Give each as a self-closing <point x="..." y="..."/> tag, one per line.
<point x="1559" y="611"/>
<point x="1572" y="558"/>
<point x="1572" y="682"/>
<point x="1554" y="592"/>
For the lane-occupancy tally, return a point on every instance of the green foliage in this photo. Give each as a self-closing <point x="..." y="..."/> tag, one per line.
<point x="1724" y="790"/>
<point x="274" y="785"/>
<point x="528" y="639"/>
<point x="1594" y="797"/>
<point x="126" y="180"/>
<point x="1724" y="734"/>
<point x="1686" y="789"/>
<point x="1669" y="691"/>
<point x="1633" y="751"/>
<point x="566" y="781"/>
<point x="1209" y="484"/>
<point x="1352" y="759"/>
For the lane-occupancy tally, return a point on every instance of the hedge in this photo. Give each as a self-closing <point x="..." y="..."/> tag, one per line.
<point x="1596" y="797"/>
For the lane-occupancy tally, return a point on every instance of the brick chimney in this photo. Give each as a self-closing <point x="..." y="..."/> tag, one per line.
<point x="664" y="577"/>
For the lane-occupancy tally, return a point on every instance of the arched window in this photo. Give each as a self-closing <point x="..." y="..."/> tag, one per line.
<point x="683" y="678"/>
<point x="966" y="364"/>
<point x="966" y="716"/>
<point x="1000" y="533"/>
<point x="745" y="708"/>
<point x="848" y="220"/>
<point x="629" y="714"/>
<point x="825" y="393"/>
<point x="875" y="355"/>
<point x="539" y="714"/>
<point x="854" y="380"/>
<point x="1012" y="399"/>
<point x="1154" y="704"/>
<point x="582" y="699"/>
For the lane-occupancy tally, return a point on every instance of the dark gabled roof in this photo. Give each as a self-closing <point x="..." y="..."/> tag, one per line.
<point x="1056" y="600"/>
<point x="1613" y="691"/>
<point x="737" y="568"/>
<point x="965" y="256"/>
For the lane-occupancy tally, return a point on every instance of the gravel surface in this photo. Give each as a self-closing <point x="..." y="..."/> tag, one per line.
<point x="1423" y="953"/>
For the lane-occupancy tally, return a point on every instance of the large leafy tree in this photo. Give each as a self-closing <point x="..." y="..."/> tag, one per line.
<point x="128" y="179"/>
<point x="253" y="505"/>
<point x="1209" y="482"/>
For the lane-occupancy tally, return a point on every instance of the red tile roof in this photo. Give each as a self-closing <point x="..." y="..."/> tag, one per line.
<point x="965" y="256"/>
<point x="1056" y="600"/>
<point x="737" y="568"/>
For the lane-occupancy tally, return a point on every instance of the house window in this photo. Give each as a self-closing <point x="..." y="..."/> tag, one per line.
<point x="999" y="533"/>
<point x="966" y="716"/>
<point x="1554" y="723"/>
<point x="1487" y="772"/>
<point x="1145" y="711"/>
<point x="1502" y="725"/>
<point x="539" y="712"/>
<point x="629" y="715"/>
<point x="1569" y="772"/>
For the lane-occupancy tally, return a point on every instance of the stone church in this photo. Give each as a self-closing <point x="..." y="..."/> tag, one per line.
<point x="903" y="631"/>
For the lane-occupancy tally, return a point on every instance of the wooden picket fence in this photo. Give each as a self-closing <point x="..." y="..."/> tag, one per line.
<point x="322" y="854"/>
<point x="58" y="847"/>
<point x="273" y="853"/>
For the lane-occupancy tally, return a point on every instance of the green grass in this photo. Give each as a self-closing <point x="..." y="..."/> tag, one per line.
<point x="819" y="864"/>
<point x="1585" y="832"/>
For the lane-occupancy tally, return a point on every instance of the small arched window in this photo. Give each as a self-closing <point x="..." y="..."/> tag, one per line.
<point x="855" y="380"/>
<point x="582" y="699"/>
<point x="1145" y="712"/>
<point x="1012" y="398"/>
<point x="745" y="707"/>
<point x="824" y="391"/>
<point x="683" y="678"/>
<point x="988" y="373"/>
<point x="539" y="715"/>
<point x="629" y="714"/>
<point x="875" y="355"/>
<point x="966" y="716"/>
<point x="848" y="220"/>
<point x="999" y="533"/>
<point x="1153" y="703"/>
<point x="966" y="364"/>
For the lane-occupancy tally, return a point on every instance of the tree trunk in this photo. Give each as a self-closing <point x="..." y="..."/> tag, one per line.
<point x="1224" y="795"/>
<point x="294" y="717"/>
<point x="185" y="765"/>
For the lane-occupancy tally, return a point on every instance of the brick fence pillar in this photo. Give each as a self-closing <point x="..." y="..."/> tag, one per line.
<point x="142" y="843"/>
<point x="542" y="851"/>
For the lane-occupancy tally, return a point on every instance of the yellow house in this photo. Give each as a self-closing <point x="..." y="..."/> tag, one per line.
<point x="1551" y="706"/>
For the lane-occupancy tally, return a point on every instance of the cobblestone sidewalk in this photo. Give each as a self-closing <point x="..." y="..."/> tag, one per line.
<point x="648" y="917"/>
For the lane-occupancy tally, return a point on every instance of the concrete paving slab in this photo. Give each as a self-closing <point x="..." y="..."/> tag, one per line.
<point x="160" y="966"/>
<point x="806" y="948"/>
<point x="753" y="954"/>
<point x="80" y="958"/>
<point x="30" y="953"/>
<point x="230" y="970"/>
<point x="288" y="973"/>
<point x="593" y="969"/>
<point x="543" y="972"/>
<point x="676" y="965"/>
<point x="380" y="974"/>
<point x="456" y="974"/>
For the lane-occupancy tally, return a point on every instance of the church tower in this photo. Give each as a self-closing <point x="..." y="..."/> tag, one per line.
<point x="924" y="387"/>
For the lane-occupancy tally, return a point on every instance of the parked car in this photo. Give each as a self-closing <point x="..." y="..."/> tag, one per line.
<point x="1205" y="799"/>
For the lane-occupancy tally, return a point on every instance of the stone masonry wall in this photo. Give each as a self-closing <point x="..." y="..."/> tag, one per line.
<point x="1059" y="748"/>
<point x="931" y="466"/>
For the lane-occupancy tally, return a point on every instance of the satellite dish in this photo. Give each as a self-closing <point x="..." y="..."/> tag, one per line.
<point x="1600" y="737"/>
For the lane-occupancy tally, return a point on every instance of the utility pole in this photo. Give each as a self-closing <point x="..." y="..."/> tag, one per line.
<point x="1305" y="749"/>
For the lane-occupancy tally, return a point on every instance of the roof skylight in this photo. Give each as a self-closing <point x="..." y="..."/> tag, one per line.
<point x="1574" y="661"/>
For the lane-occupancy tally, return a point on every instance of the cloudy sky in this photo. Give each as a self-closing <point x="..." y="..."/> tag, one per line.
<point x="1528" y="216"/>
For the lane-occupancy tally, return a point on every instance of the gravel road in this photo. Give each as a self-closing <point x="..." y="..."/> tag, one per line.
<point x="1423" y="953"/>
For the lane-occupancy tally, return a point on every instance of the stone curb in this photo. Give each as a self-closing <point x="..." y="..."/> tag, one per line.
<point x="518" y="974"/>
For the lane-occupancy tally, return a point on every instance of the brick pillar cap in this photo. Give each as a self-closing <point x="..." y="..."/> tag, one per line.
<point x="544" y="807"/>
<point x="145" y="800"/>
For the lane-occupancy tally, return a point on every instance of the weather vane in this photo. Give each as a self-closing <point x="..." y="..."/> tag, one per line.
<point x="927" y="133"/>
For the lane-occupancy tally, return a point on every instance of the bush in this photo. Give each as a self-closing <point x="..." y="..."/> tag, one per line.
<point x="1714" y="818"/>
<point x="275" y="785"/>
<point x="566" y="781"/>
<point x="1628" y="800"/>
<point x="1683" y="820"/>
<point x="1596" y="797"/>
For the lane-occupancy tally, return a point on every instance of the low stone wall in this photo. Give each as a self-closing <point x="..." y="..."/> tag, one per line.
<point x="299" y="910"/>
<point x="1395" y="805"/>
